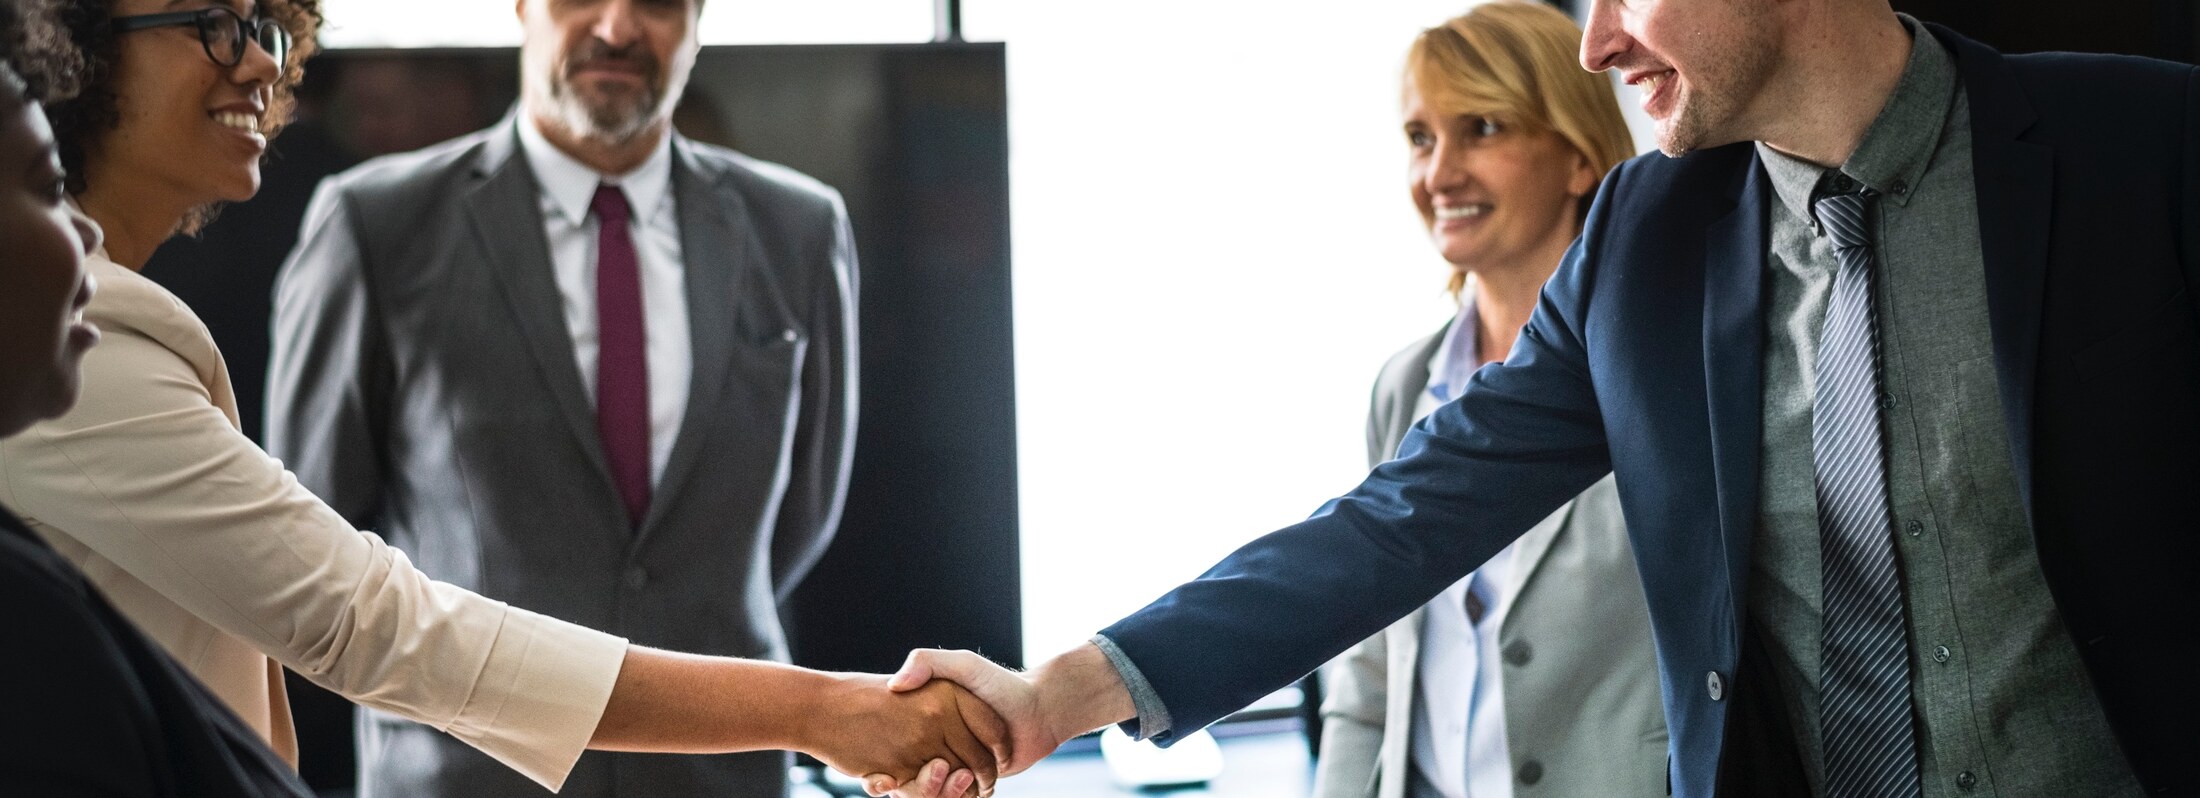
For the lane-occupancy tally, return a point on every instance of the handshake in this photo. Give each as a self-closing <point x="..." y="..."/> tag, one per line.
<point x="951" y="722"/>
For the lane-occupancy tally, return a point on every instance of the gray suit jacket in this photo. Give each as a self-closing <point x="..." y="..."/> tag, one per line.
<point x="423" y="383"/>
<point x="1582" y="712"/>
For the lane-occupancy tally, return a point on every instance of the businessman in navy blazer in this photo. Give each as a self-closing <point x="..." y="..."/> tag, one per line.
<point x="2039" y="259"/>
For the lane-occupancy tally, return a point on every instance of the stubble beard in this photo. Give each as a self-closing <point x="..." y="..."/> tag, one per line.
<point x="1708" y="111"/>
<point x="614" y="119"/>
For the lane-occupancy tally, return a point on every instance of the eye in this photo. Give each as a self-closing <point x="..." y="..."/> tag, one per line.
<point x="1420" y="139"/>
<point x="1485" y="127"/>
<point x="59" y="191"/>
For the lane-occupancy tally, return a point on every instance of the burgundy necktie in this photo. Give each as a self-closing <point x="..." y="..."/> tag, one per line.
<point x="622" y="362"/>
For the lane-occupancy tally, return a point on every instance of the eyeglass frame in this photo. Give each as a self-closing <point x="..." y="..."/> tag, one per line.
<point x="196" y="19"/>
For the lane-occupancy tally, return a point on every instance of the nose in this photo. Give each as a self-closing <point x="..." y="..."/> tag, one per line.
<point x="88" y="234"/>
<point x="1602" y="40"/>
<point x="1447" y="167"/>
<point x="258" y="67"/>
<point x="616" y="27"/>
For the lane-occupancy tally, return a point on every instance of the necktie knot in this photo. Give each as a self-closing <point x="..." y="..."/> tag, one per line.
<point x="1843" y="216"/>
<point x="610" y="205"/>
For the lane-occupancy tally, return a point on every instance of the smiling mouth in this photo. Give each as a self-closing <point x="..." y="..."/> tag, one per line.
<point x="246" y="123"/>
<point x="1446" y="213"/>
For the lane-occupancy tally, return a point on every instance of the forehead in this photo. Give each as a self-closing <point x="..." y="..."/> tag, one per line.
<point x="23" y="131"/>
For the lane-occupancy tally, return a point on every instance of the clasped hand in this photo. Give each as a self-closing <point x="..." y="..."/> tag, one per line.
<point x="889" y="738"/>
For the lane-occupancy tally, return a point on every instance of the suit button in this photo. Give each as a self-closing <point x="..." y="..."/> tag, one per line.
<point x="1965" y="781"/>
<point x="1519" y="653"/>
<point x="1531" y="772"/>
<point x="1716" y="686"/>
<point x="636" y="578"/>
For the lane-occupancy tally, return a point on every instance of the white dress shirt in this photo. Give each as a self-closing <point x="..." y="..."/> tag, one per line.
<point x="568" y="188"/>
<point x="1459" y="709"/>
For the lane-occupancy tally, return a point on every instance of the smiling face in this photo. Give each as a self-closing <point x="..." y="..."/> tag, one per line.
<point x="608" y="70"/>
<point x="185" y="126"/>
<point x="1703" y="65"/>
<point x="43" y="286"/>
<point x="1493" y="194"/>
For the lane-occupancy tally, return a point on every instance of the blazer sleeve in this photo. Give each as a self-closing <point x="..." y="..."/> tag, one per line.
<point x="147" y="473"/>
<point x="328" y="373"/>
<point x="1526" y="436"/>
<point x="824" y="443"/>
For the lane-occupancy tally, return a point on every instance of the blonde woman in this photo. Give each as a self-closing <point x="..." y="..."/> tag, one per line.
<point x="1534" y="675"/>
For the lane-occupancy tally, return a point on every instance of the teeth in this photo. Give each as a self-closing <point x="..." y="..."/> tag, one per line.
<point x="245" y="122"/>
<point x="1447" y="213"/>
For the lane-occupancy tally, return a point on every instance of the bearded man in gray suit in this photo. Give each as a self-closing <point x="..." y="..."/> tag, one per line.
<point x="582" y="364"/>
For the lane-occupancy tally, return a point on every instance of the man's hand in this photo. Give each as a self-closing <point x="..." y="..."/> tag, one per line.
<point x="888" y="737"/>
<point x="1067" y="696"/>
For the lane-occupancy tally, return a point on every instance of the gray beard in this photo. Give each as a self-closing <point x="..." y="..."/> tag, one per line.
<point x="614" y="124"/>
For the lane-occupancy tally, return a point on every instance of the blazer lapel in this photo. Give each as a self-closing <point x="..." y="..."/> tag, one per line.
<point x="2016" y="188"/>
<point x="719" y="260"/>
<point x="1733" y="359"/>
<point x="508" y="228"/>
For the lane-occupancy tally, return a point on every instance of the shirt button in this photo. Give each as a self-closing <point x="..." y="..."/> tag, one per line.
<point x="636" y="578"/>
<point x="1914" y="527"/>
<point x="788" y="335"/>
<point x="1716" y="686"/>
<point x="1531" y="772"/>
<point x="1940" y="653"/>
<point x="1965" y="781"/>
<point x="1886" y="401"/>
<point x="1519" y="653"/>
<point x="1899" y="188"/>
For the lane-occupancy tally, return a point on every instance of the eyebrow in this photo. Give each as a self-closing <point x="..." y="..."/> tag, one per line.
<point x="251" y="8"/>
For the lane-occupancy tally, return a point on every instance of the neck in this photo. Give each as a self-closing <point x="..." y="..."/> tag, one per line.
<point x="1848" y="63"/>
<point x="610" y="158"/>
<point x="1505" y="295"/>
<point x="135" y="219"/>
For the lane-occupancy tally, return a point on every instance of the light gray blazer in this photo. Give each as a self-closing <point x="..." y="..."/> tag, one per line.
<point x="423" y="383"/>
<point x="1583" y="717"/>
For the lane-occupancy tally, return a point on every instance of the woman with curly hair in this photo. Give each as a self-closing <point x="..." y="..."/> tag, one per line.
<point x="93" y="708"/>
<point x="217" y="553"/>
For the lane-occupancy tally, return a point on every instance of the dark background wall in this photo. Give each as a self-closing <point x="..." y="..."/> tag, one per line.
<point x="915" y="137"/>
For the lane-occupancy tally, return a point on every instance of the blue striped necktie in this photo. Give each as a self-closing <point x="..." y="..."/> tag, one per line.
<point x="1871" y="746"/>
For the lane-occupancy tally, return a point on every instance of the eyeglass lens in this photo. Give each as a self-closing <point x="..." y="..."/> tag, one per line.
<point x="226" y="33"/>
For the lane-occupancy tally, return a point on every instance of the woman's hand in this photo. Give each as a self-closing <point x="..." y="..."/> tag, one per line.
<point x="887" y="738"/>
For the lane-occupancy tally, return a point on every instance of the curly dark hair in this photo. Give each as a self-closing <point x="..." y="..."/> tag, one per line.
<point x="35" y="61"/>
<point x="91" y="41"/>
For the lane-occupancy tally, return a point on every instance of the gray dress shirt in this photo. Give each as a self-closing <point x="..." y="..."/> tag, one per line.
<point x="2002" y="704"/>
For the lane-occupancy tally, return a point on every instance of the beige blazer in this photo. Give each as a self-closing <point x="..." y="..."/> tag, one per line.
<point x="213" y="549"/>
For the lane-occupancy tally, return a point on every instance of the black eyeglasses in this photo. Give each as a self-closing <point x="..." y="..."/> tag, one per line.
<point x="221" y="30"/>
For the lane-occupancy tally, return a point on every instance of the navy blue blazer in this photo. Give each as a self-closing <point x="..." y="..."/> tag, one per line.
<point x="1644" y="358"/>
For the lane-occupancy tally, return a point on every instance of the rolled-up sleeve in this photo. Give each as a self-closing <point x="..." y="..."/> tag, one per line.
<point x="150" y="486"/>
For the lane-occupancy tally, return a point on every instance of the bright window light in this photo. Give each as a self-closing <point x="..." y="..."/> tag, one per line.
<point x="1214" y="254"/>
<point x="440" y="23"/>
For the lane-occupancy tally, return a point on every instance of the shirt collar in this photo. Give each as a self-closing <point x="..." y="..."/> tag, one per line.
<point x="1900" y="142"/>
<point x="1456" y="356"/>
<point x="571" y="185"/>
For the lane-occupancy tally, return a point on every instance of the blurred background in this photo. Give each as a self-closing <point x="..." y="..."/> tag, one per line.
<point x="1128" y="270"/>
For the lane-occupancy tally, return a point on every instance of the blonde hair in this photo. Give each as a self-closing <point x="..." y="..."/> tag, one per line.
<point x="1514" y="60"/>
